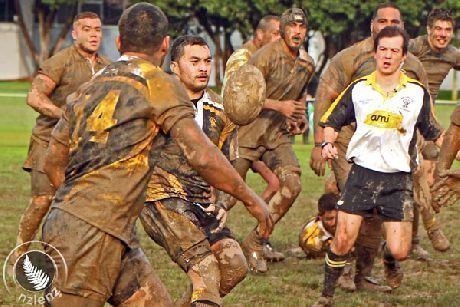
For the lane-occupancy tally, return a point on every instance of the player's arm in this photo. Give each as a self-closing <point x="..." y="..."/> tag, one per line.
<point x="210" y="164"/>
<point x="333" y="78"/>
<point x="38" y="96"/>
<point x="57" y="155"/>
<point x="450" y="145"/>
<point x="57" y="158"/>
<point x="339" y="114"/>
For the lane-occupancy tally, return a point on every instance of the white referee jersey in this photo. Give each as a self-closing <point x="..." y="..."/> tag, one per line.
<point x="385" y="136"/>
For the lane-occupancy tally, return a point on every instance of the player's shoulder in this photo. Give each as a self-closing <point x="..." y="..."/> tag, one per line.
<point x="362" y="47"/>
<point x="214" y="99"/>
<point x="270" y="49"/>
<point x="418" y="44"/>
<point x="62" y="56"/>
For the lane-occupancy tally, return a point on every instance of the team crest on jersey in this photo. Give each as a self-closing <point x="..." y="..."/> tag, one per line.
<point x="406" y="101"/>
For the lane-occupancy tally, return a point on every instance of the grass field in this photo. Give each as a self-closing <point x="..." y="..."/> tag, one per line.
<point x="293" y="282"/>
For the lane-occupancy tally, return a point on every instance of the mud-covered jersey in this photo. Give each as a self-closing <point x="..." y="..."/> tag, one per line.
<point x="286" y="78"/>
<point x="68" y="69"/>
<point x="353" y="63"/>
<point x="173" y="177"/>
<point x="437" y="64"/>
<point x="385" y="136"/>
<point x="109" y="125"/>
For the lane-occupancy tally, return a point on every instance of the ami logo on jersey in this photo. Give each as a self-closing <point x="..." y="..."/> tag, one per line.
<point x="384" y="119"/>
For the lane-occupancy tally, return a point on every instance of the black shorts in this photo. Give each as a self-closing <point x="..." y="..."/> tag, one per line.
<point x="182" y="228"/>
<point x="390" y="194"/>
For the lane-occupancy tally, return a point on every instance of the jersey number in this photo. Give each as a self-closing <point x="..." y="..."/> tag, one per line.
<point x="101" y="120"/>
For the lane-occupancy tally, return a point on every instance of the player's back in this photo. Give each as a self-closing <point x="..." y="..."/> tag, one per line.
<point x="111" y="122"/>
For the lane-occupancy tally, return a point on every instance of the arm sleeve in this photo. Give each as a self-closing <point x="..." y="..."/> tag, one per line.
<point x="333" y="81"/>
<point x="53" y="67"/>
<point x="426" y="122"/>
<point x="341" y="112"/>
<point x="169" y="100"/>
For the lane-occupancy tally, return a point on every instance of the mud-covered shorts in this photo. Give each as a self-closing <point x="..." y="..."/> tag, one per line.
<point x="99" y="266"/>
<point x="391" y="194"/>
<point x="40" y="183"/>
<point x="183" y="229"/>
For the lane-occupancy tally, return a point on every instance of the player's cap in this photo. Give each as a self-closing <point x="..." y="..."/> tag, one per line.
<point x="293" y="15"/>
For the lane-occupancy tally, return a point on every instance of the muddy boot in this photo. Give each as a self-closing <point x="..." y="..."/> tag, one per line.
<point x="419" y="253"/>
<point x="393" y="272"/>
<point x="345" y="281"/>
<point x="371" y="284"/>
<point x="364" y="263"/>
<point x="253" y="250"/>
<point x="439" y="240"/>
<point x="270" y="254"/>
<point x="323" y="301"/>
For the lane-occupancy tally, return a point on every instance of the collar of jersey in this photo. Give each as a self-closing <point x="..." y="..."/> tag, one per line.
<point x="371" y="80"/>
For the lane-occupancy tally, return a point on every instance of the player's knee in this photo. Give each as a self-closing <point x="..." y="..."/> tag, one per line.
<point x="400" y="255"/>
<point x="290" y="185"/>
<point x="342" y="244"/>
<point x="232" y="273"/>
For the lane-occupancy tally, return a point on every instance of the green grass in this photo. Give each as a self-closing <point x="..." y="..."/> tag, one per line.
<point x="290" y="283"/>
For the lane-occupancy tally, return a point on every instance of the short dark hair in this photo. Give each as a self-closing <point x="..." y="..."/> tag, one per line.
<point x="384" y="6"/>
<point x="142" y="28"/>
<point x="177" y="48"/>
<point x="263" y="23"/>
<point x="440" y="14"/>
<point x="85" y="15"/>
<point x="327" y="202"/>
<point x="392" y="31"/>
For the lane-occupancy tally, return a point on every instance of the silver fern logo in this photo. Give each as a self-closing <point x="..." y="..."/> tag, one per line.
<point x="34" y="271"/>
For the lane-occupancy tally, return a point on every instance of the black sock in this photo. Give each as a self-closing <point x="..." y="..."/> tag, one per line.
<point x="388" y="258"/>
<point x="333" y="268"/>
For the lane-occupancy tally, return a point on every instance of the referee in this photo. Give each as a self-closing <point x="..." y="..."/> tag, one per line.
<point x="387" y="107"/>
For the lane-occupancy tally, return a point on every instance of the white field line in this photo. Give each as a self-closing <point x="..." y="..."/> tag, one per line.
<point x="18" y="95"/>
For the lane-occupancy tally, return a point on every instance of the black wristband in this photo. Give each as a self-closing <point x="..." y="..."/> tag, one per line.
<point x="318" y="144"/>
<point x="324" y="144"/>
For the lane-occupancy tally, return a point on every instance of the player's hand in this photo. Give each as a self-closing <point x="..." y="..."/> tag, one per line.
<point x="220" y="213"/>
<point x="329" y="152"/>
<point x="298" y="127"/>
<point x="261" y="213"/>
<point x="446" y="190"/>
<point x="317" y="162"/>
<point x="293" y="109"/>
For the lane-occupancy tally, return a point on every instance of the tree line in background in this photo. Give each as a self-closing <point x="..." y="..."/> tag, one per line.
<point x="341" y="22"/>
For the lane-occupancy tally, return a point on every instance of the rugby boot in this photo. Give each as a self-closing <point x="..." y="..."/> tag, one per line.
<point x="439" y="240"/>
<point x="345" y="281"/>
<point x="392" y="270"/>
<point x="393" y="274"/>
<point x="370" y="284"/>
<point x="323" y="301"/>
<point x="271" y="254"/>
<point x="253" y="249"/>
<point x="419" y="253"/>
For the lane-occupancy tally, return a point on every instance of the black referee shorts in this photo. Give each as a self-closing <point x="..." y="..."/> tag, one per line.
<point x="390" y="194"/>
